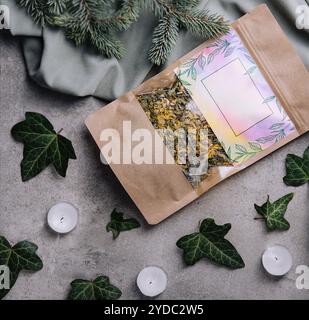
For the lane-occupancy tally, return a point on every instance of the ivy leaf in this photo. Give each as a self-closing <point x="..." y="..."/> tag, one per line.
<point x="20" y="257"/>
<point x="297" y="169"/>
<point x="42" y="146"/>
<point x="209" y="243"/>
<point x="98" y="289"/>
<point x="118" y="223"/>
<point x="273" y="213"/>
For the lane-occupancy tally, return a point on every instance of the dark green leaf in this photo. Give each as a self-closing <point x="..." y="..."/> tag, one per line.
<point x="297" y="169"/>
<point x="209" y="243"/>
<point x="119" y="224"/>
<point x="20" y="257"/>
<point x="42" y="146"/>
<point x="273" y="213"/>
<point x="98" y="289"/>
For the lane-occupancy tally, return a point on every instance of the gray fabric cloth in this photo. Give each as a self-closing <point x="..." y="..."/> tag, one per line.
<point x="55" y="63"/>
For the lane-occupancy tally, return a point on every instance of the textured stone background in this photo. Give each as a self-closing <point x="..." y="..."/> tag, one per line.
<point x="89" y="250"/>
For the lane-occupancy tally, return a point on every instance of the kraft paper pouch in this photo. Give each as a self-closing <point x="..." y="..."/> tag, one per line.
<point x="246" y="94"/>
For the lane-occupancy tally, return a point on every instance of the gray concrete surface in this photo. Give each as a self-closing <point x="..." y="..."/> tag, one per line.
<point x="89" y="250"/>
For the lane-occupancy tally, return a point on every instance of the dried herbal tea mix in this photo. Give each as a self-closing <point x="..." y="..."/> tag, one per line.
<point x="172" y="110"/>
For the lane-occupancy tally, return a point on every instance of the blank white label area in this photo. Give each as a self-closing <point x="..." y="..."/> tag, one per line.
<point x="235" y="94"/>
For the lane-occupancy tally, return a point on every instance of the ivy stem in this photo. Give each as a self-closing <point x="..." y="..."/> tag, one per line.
<point x="60" y="131"/>
<point x="259" y="218"/>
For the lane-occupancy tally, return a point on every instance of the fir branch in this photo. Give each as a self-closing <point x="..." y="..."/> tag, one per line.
<point x="203" y="23"/>
<point x="35" y="9"/>
<point x="56" y="7"/>
<point x="158" y="7"/>
<point x="164" y="38"/>
<point x="96" y="22"/>
<point x="106" y="43"/>
<point x="186" y="4"/>
<point x="184" y="14"/>
<point x="126" y="15"/>
<point x="42" y="11"/>
<point x="85" y="21"/>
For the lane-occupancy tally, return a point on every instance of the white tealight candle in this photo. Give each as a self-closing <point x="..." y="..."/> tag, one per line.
<point x="62" y="217"/>
<point x="277" y="260"/>
<point x="152" y="281"/>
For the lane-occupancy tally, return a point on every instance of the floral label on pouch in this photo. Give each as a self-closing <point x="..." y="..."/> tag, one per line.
<point x="235" y="99"/>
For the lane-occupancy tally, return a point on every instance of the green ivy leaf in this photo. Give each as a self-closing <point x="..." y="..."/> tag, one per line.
<point x="42" y="146"/>
<point x="273" y="213"/>
<point x="98" y="289"/>
<point x="209" y="243"/>
<point x="297" y="169"/>
<point x="119" y="224"/>
<point x="20" y="257"/>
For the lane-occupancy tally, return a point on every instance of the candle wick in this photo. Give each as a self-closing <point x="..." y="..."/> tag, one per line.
<point x="276" y="258"/>
<point x="61" y="220"/>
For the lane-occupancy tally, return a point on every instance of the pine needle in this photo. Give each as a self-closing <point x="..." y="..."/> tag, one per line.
<point x="96" y="22"/>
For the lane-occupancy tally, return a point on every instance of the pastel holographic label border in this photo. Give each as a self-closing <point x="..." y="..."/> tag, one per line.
<point x="234" y="97"/>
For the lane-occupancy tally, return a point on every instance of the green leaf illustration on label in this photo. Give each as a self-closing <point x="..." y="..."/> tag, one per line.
<point x="98" y="289"/>
<point x="22" y="256"/>
<point x="273" y="213"/>
<point x="297" y="169"/>
<point x="119" y="224"/>
<point x="42" y="146"/>
<point x="209" y="243"/>
<point x="242" y="153"/>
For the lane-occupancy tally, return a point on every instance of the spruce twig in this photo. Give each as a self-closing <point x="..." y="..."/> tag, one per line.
<point x="164" y="38"/>
<point x="96" y="22"/>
